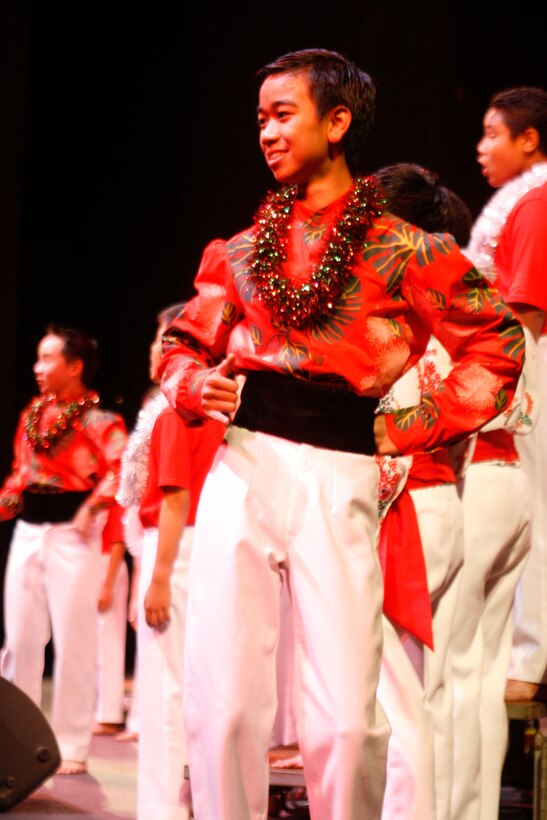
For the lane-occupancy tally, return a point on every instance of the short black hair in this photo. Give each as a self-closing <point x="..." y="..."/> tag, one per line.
<point x="78" y="345"/>
<point x="415" y="194"/>
<point x="334" y="80"/>
<point x="523" y="107"/>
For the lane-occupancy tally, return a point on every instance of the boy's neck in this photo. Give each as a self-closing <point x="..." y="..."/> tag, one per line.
<point x="535" y="159"/>
<point x="72" y="392"/>
<point x="318" y="193"/>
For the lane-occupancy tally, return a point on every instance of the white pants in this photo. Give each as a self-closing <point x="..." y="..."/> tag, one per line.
<point x="161" y="791"/>
<point x="410" y="790"/>
<point x="284" y="730"/>
<point x="420" y="760"/>
<point x="52" y="585"/>
<point x="111" y="651"/>
<point x="440" y="517"/>
<point x="528" y="661"/>
<point x="267" y="502"/>
<point x="497" y="513"/>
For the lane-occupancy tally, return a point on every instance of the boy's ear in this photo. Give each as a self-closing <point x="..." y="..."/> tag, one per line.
<point x="76" y="368"/>
<point x="340" y="121"/>
<point x="530" y="140"/>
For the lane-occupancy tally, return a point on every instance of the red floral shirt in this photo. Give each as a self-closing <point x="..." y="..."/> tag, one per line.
<point x="86" y="458"/>
<point x="406" y="284"/>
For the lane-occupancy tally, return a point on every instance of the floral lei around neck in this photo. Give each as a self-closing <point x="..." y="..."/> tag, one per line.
<point x="310" y="304"/>
<point x="488" y="226"/>
<point x="66" y="418"/>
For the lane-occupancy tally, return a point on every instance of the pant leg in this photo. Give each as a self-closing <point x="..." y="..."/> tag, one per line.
<point x="528" y="660"/>
<point x="26" y="611"/>
<point x="497" y="626"/>
<point x="337" y="593"/>
<point x="410" y="784"/>
<point x="284" y="730"/>
<point x="73" y="579"/>
<point x="440" y="518"/>
<point x="112" y="626"/>
<point x="496" y="537"/>
<point x="231" y="639"/>
<point x="132" y="719"/>
<point x="267" y="501"/>
<point x="162" y="744"/>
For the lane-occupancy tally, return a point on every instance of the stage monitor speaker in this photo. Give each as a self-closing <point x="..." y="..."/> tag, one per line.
<point x="29" y="753"/>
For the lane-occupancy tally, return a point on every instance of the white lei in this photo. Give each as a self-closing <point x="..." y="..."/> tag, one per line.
<point x="134" y="470"/>
<point x="488" y="226"/>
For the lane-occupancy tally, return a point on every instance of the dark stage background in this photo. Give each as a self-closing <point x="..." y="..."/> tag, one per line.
<point x="129" y="141"/>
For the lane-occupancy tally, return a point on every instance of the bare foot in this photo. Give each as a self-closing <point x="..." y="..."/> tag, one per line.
<point x="71" y="767"/>
<point x="294" y="762"/>
<point x="285" y="757"/>
<point x="520" y="690"/>
<point x="127" y="737"/>
<point x="107" y="728"/>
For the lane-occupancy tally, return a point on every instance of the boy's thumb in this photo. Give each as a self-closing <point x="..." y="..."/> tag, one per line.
<point x="225" y="367"/>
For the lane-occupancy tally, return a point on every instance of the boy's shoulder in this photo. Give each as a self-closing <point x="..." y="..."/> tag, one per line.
<point x="98" y="416"/>
<point x="538" y="194"/>
<point x="243" y="239"/>
<point x="168" y="415"/>
<point x="395" y="231"/>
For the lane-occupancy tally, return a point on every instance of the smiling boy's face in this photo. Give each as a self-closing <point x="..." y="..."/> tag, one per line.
<point x="293" y="138"/>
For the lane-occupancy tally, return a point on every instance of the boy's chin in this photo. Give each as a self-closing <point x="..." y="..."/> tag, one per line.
<point x="285" y="179"/>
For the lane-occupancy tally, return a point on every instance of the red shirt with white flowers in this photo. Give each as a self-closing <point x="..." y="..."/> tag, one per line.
<point x="86" y="458"/>
<point x="405" y="285"/>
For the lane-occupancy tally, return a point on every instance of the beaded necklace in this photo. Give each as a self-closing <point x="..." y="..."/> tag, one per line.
<point x="311" y="303"/>
<point x="66" y="418"/>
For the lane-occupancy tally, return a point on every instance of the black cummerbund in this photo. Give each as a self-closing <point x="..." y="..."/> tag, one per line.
<point x="39" y="508"/>
<point x="307" y="412"/>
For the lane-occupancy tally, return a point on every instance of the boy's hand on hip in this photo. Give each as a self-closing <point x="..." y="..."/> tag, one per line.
<point x="384" y="445"/>
<point x="219" y="393"/>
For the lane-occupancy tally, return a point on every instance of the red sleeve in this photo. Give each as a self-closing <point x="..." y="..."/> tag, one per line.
<point x="109" y="437"/>
<point x="172" y="448"/>
<point x="14" y="484"/>
<point x="485" y="342"/>
<point x="524" y="241"/>
<point x="113" y="530"/>
<point x="212" y="313"/>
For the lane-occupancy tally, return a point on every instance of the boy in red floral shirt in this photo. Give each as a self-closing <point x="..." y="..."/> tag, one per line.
<point x="62" y="485"/>
<point x="321" y="306"/>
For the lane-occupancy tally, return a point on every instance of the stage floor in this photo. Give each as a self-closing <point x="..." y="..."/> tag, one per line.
<point x="106" y="792"/>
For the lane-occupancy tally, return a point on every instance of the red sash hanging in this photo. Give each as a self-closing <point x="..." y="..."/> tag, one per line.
<point x="406" y="593"/>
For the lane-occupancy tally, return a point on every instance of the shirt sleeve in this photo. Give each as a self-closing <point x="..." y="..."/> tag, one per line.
<point x="190" y="351"/>
<point x="527" y="240"/>
<point x="113" y="530"/>
<point x="484" y="339"/>
<point x="109" y="437"/>
<point x="171" y="445"/>
<point x="14" y="483"/>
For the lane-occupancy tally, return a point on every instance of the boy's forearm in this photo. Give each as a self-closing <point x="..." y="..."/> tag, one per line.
<point x="172" y="520"/>
<point x="117" y="553"/>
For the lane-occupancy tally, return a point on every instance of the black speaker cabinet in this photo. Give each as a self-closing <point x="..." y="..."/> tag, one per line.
<point x="29" y="753"/>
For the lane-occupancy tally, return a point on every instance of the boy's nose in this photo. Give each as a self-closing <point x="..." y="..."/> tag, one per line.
<point x="269" y="132"/>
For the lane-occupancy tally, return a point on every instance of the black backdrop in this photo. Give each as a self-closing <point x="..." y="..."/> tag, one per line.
<point x="129" y="141"/>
